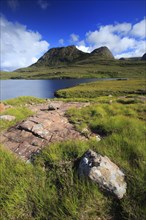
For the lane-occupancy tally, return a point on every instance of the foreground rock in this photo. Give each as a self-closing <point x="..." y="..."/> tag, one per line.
<point x="104" y="172"/>
<point x="48" y="125"/>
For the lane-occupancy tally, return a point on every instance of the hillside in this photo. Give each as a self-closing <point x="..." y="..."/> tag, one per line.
<point x="69" y="62"/>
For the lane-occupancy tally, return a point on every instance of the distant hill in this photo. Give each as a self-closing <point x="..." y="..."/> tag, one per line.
<point x="70" y="54"/>
<point x="143" y="57"/>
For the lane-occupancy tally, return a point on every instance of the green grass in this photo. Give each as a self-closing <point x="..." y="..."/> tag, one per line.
<point x="24" y="100"/>
<point x="104" y="88"/>
<point x="19" y="109"/>
<point x="49" y="188"/>
<point x="100" y="69"/>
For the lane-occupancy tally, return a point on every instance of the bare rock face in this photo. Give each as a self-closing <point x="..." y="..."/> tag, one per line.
<point x="7" y="117"/>
<point x="103" y="171"/>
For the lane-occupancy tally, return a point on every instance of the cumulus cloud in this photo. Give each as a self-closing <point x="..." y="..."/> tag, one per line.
<point x="74" y="37"/>
<point x="20" y="47"/>
<point x="81" y="46"/>
<point x="139" y="29"/>
<point x="61" y="41"/>
<point x="43" y="4"/>
<point x="123" y="39"/>
<point x="13" y="4"/>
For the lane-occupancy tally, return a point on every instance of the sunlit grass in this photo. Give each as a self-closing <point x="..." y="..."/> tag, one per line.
<point x="104" y="88"/>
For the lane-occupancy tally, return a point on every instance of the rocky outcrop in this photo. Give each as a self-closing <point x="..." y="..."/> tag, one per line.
<point x="48" y="125"/>
<point x="104" y="172"/>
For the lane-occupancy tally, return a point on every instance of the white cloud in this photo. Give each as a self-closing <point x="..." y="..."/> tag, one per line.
<point x="13" y="4"/>
<point x="123" y="39"/>
<point x="139" y="29"/>
<point x="74" y="37"/>
<point x="83" y="48"/>
<point x="43" y="4"/>
<point x="20" y="47"/>
<point x="61" y="41"/>
<point x="137" y="51"/>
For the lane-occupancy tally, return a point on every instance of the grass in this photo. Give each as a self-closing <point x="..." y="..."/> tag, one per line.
<point x="49" y="187"/>
<point x="100" y="69"/>
<point x="24" y="100"/>
<point x="19" y="109"/>
<point x="104" y="88"/>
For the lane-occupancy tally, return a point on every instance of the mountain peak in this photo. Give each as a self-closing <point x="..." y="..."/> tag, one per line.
<point x="103" y="53"/>
<point x="61" y="56"/>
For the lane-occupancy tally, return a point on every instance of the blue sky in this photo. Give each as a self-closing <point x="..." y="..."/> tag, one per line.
<point x="30" y="27"/>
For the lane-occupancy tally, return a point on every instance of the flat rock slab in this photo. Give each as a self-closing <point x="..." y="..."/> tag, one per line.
<point x="44" y="128"/>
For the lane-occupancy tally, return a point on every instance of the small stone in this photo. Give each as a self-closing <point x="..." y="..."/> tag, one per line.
<point x="7" y="117"/>
<point x="110" y="101"/>
<point x="98" y="138"/>
<point x="53" y="106"/>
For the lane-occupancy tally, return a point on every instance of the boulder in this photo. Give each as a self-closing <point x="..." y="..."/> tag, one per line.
<point x="104" y="172"/>
<point x="7" y="117"/>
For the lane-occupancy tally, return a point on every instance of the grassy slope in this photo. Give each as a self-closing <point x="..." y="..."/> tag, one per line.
<point x="102" y="69"/>
<point x="101" y="88"/>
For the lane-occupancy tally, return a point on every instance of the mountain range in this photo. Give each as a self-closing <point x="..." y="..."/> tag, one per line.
<point x="70" y="55"/>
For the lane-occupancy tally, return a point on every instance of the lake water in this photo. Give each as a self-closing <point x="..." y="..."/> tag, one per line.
<point x="38" y="88"/>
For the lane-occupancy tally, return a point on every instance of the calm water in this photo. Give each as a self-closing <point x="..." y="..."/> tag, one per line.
<point x="38" y="88"/>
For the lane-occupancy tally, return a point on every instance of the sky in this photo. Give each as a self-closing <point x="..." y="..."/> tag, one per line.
<point x="29" y="28"/>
